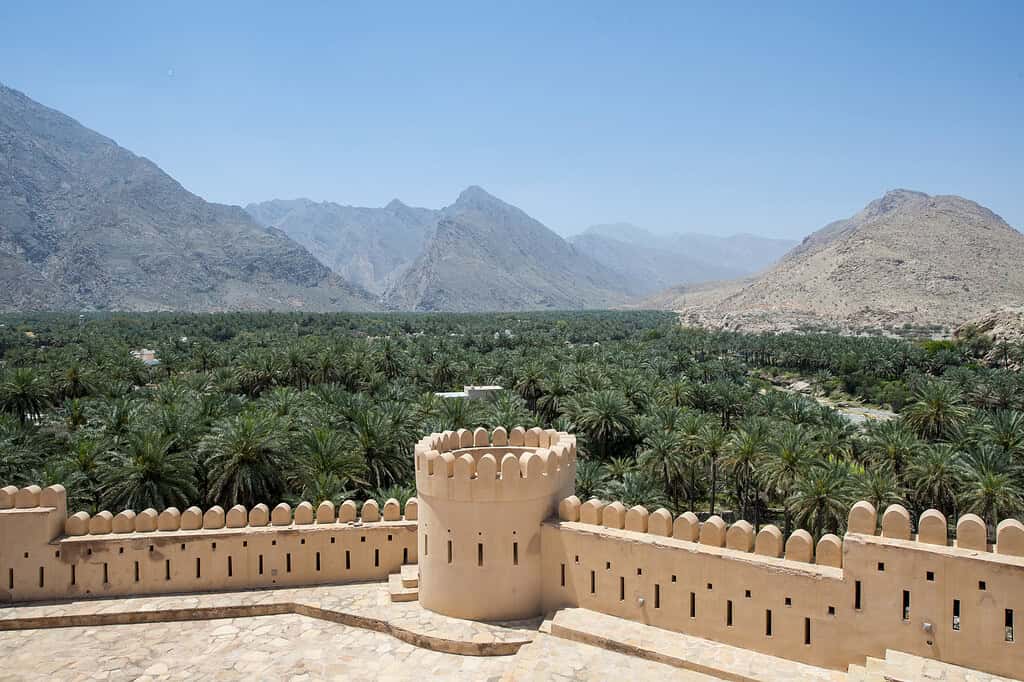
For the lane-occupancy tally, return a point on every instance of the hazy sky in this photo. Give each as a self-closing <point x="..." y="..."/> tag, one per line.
<point x="772" y="118"/>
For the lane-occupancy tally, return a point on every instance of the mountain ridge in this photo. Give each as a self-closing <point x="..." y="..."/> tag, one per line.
<point x="85" y="223"/>
<point x="905" y="258"/>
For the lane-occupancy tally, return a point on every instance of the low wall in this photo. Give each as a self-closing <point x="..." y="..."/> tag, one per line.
<point x="829" y="605"/>
<point x="46" y="555"/>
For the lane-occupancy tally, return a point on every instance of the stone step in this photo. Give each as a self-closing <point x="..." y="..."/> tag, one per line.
<point x="901" y="666"/>
<point x="410" y="575"/>
<point x="681" y="651"/>
<point x="399" y="592"/>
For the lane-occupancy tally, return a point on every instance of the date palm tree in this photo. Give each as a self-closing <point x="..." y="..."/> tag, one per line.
<point x="745" y="449"/>
<point x="821" y="497"/>
<point x="788" y="458"/>
<point x="891" y="444"/>
<point x="24" y="393"/>
<point x="937" y="409"/>
<point x="145" y="471"/>
<point x="934" y="477"/>
<point x="712" y="443"/>
<point x="246" y="459"/>
<point x="991" y="485"/>
<point x="607" y="419"/>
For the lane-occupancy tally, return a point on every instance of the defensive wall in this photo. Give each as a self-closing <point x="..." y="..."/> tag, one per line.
<point x="46" y="554"/>
<point x="830" y="604"/>
<point x="498" y="534"/>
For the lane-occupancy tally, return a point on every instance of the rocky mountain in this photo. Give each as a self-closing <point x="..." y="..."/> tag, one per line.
<point x="649" y="262"/>
<point x="85" y="223"/>
<point x="906" y="258"/>
<point x="488" y="255"/>
<point x="370" y="247"/>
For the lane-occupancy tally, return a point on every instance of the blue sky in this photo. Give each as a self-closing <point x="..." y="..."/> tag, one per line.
<point x="719" y="117"/>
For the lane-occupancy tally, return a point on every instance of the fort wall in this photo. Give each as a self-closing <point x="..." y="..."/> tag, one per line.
<point x="47" y="555"/>
<point x="830" y="605"/>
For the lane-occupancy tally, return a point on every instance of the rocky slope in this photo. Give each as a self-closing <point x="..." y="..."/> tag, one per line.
<point x="370" y="247"/>
<point x="907" y="258"/>
<point x="650" y="263"/>
<point x="488" y="255"/>
<point x="85" y="223"/>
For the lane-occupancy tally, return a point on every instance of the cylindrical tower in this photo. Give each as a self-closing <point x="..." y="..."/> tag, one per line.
<point x="482" y="499"/>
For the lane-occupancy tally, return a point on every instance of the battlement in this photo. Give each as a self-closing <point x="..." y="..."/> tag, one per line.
<point x="830" y="603"/>
<point x="970" y="536"/>
<point x="46" y="554"/>
<point x="477" y="466"/>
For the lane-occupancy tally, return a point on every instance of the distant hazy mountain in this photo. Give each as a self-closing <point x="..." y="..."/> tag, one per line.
<point x="368" y="246"/>
<point x="906" y="258"/>
<point x="649" y="262"/>
<point x="485" y="254"/>
<point x="85" y="223"/>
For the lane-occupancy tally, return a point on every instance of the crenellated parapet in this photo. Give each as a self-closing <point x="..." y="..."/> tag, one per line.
<point x="46" y="554"/>
<point x="482" y="466"/>
<point x="936" y="594"/>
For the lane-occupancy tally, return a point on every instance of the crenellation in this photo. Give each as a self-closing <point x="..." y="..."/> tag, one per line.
<point x="829" y="551"/>
<point x="896" y="522"/>
<point x="1010" y="538"/>
<point x="237" y="517"/>
<point x="686" y="527"/>
<point x="325" y="512"/>
<point x="740" y="536"/>
<point x="769" y="541"/>
<point x="971" y="533"/>
<point x="170" y="520"/>
<point x="932" y="528"/>
<point x="8" y="495"/>
<point x="146" y="520"/>
<point x="192" y="519"/>
<point x="214" y="518"/>
<point x="613" y="515"/>
<point x="280" y="516"/>
<point x="101" y="523"/>
<point x="659" y="522"/>
<point x="303" y="513"/>
<point x="124" y="522"/>
<point x="800" y="547"/>
<point x="636" y="519"/>
<point x="712" y="532"/>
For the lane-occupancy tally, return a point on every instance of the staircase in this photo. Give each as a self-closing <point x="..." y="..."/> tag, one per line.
<point x="404" y="586"/>
<point x="901" y="667"/>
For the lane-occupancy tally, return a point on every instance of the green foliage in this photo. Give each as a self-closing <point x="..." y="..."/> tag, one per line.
<point x="250" y="407"/>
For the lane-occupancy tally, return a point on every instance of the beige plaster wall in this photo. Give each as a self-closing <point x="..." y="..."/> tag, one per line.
<point x="652" y="578"/>
<point x="482" y="499"/>
<point x="38" y="561"/>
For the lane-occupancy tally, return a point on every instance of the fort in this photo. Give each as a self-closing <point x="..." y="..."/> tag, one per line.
<point x="496" y="557"/>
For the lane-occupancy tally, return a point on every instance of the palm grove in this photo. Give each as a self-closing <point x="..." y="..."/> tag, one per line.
<point x="248" y="408"/>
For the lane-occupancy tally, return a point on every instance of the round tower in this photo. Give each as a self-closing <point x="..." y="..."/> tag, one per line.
<point x="482" y="498"/>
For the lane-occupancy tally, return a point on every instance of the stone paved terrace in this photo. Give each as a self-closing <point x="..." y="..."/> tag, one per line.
<point x="364" y="605"/>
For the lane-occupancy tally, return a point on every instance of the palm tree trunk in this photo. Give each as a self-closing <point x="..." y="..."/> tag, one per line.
<point x="714" y="482"/>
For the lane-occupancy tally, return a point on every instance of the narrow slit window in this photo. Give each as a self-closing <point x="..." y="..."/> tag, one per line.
<point x="956" y="614"/>
<point x="230" y="567"/>
<point x="288" y="562"/>
<point x="906" y="605"/>
<point x="167" y="569"/>
<point x="136" y="571"/>
<point x="405" y="555"/>
<point x="1008" y="625"/>
<point x="728" y="613"/>
<point x="106" y="573"/>
<point x="563" y="575"/>
<point x="376" y="558"/>
<point x="856" y="595"/>
<point x="657" y="596"/>
<point x="807" y="631"/>
<point x="261" y="564"/>
<point x="10" y="578"/>
<point x="426" y="545"/>
<point x="768" y="623"/>
<point x="449" y="551"/>
<point x="479" y="554"/>
<point x="693" y="605"/>
<point x="348" y="560"/>
<point x="74" y="577"/>
<point x="199" y="569"/>
<point x="515" y="553"/>
<point x="42" y="579"/>
<point x="318" y="561"/>
<point x="622" y="588"/>
<point x="593" y="582"/>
